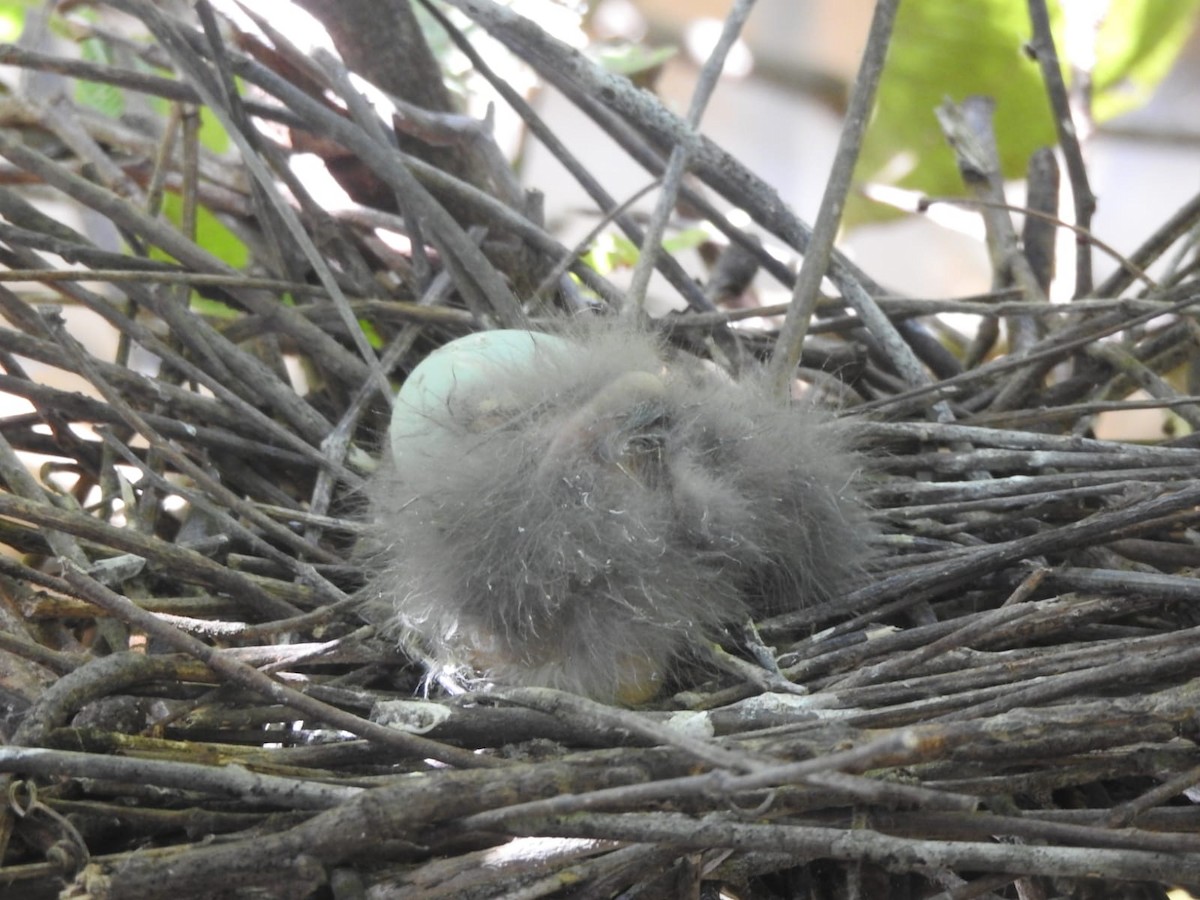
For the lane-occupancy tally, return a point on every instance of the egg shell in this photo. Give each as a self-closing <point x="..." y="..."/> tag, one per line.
<point x="461" y="367"/>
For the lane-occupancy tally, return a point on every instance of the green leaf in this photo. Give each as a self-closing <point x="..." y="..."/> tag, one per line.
<point x="1138" y="43"/>
<point x="953" y="49"/>
<point x="213" y="309"/>
<point x="949" y="49"/>
<point x="211" y="233"/>
<point x="12" y="21"/>
<point x="105" y="98"/>
<point x="213" y="236"/>
<point x="686" y="239"/>
<point x="212" y="133"/>
<point x="610" y="252"/>
<point x="374" y="338"/>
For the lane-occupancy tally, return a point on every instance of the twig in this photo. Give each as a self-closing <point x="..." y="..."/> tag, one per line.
<point x="1042" y="48"/>
<point x="221" y="781"/>
<point x="252" y="679"/>
<point x="861" y="844"/>
<point x="1030" y="212"/>
<point x="590" y="87"/>
<point x="818" y="253"/>
<point x="681" y="154"/>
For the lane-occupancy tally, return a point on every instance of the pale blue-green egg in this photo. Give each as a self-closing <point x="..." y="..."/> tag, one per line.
<point x="461" y="372"/>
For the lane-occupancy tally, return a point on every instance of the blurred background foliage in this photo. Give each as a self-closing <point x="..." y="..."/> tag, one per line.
<point x="1114" y="56"/>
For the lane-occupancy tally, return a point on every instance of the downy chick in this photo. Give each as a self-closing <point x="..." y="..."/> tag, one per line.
<point x="575" y="512"/>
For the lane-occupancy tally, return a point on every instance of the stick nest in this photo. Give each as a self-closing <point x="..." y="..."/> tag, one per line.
<point x="194" y="706"/>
